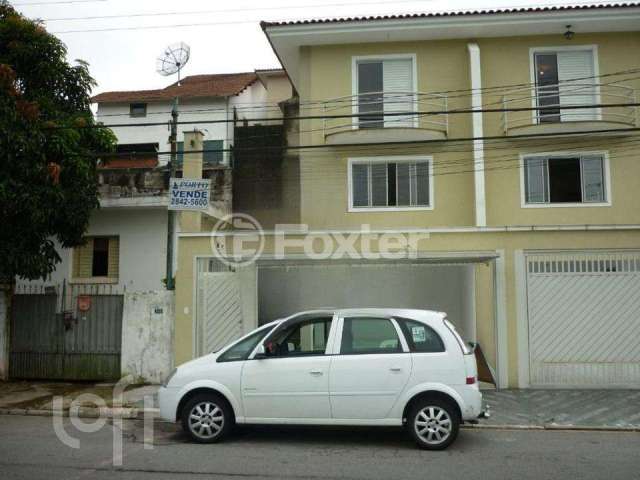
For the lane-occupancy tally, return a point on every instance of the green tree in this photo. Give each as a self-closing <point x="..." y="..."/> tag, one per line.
<point x="48" y="185"/>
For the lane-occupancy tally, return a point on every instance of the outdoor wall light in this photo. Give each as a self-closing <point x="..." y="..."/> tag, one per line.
<point x="569" y="33"/>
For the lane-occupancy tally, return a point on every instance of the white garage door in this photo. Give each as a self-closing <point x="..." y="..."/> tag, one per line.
<point x="584" y="319"/>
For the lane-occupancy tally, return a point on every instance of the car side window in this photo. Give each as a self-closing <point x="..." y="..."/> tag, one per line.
<point x="242" y="349"/>
<point x="420" y="337"/>
<point x="361" y="335"/>
<point x="308" y="337"/>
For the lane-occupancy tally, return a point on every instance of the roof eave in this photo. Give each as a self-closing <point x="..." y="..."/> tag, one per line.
<point x="286" y="39"/>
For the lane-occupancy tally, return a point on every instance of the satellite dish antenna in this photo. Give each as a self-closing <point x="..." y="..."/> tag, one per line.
<point x="173" y="59"/>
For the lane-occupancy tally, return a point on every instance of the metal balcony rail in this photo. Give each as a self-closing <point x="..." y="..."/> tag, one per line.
<point x="386" y="110"/>
<point x="552" y="101"/>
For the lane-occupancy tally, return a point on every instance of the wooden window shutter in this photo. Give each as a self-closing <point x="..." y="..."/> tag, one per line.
<point x="83" y="259"/>
<point x="114" y="257"/>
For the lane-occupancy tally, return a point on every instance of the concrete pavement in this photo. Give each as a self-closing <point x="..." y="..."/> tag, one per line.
<point x="612" y="409"/>
<point x="603" y="409"/>
<point x="30" y="449"/>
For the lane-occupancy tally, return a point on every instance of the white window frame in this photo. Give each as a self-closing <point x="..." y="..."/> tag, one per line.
<point x="390" y="159"/>
<point x="532" y="71"/>
<point x="382" y="58"/>
<point x="606" y="174"/>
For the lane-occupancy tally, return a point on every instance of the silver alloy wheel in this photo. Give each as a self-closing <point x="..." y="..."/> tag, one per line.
<point x="433" y="425"/>
<point x="206" y="420"/>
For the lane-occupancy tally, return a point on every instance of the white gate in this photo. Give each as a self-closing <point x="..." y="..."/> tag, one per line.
<point x="219" y="313"/>
<point x="584" y="319"/>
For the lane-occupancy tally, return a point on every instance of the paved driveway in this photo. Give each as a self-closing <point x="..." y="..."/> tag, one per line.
<point x="580" y="408"/>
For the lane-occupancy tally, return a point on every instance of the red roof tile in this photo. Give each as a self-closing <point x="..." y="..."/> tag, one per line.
<point x="459" y="13"/>
<point x="128" y="163"/>
<point x="194" y="86"/>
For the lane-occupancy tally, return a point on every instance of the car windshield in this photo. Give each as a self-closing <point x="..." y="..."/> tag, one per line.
<point x="242" y="349"/>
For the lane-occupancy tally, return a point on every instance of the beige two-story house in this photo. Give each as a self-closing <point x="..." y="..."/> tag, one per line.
<point x="504" y="143"/>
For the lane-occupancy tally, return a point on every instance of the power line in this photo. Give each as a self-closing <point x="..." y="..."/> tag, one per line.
<point x="203" y="24"/>
<point x="27" y="4"/>
<point x="409" y="142"/>
<point x="463" y="93"/>
<point x="230" y="10"/>
<point x="365" y="115"/>
<point x="496" y="165"/>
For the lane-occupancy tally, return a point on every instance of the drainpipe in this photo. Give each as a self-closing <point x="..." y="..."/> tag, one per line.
<point x="478" y="145"/>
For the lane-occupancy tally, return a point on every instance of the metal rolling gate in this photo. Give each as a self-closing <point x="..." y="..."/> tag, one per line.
<point x="66" y="333"/>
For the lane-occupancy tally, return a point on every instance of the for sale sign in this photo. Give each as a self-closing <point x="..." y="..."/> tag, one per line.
<point x="189" y="194"/>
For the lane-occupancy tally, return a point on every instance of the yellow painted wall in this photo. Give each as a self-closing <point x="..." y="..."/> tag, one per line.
<point x="506" y="242"/>
<point x="326" y="72"/>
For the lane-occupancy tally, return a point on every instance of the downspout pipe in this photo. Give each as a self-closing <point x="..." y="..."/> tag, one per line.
<point x="478" y="132"/>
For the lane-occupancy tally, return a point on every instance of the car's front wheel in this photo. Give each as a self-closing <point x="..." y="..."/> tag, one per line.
<point x="207" y="418"/>
<point x="433" y="423"/>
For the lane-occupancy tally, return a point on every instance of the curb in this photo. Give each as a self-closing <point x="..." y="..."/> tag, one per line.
<point x="554" y="427"/>
<point x="132" y="413"/>
<point x="127" y="413"/>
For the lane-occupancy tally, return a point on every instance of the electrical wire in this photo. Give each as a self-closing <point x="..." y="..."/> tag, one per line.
<point x="231" y="10"/>
<point x="463" y="93"/>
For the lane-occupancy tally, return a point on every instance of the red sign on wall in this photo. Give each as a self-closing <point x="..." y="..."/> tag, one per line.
<point x="84" y="303"/>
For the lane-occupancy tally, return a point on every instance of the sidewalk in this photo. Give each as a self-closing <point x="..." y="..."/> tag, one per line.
<point x="598" y="409"/>
<point x="36" y="398"/>
<point x="562" y="409"/>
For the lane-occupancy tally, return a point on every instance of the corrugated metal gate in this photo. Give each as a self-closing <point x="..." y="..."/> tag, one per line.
<point x="584" y="319"/>
<point x="66" y="333"/>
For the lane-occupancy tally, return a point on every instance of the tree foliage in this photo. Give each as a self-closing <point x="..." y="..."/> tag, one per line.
<point x="48" y="186"/>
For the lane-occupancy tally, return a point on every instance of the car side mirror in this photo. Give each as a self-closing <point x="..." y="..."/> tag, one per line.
<point x="260" y="352"/>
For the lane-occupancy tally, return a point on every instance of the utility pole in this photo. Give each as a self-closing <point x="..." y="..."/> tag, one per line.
<point x="173" y="140"/>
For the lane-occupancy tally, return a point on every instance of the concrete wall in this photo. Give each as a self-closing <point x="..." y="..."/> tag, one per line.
<point x="147" y="335"/>
<point x="142" y="247"/>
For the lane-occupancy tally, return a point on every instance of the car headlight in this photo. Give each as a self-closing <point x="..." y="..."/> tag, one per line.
<point x="169" y="377"/>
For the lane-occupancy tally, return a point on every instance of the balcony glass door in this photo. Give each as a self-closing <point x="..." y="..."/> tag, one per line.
<point x="385" y="93"/>
<point x="565" y="78"/>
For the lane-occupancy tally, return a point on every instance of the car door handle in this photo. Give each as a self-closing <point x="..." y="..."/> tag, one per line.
<point x="315" y="373"/>
<point x="395" y="369"/>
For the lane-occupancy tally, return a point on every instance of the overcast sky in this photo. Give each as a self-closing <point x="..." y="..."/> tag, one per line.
<point x="229" y="38"/>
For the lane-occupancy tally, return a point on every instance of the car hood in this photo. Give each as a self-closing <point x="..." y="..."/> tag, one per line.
<point x="198" y="362"/>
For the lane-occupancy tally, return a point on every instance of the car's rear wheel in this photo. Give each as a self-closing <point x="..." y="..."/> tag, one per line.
<point x="433" y="423"/>
<point x="207" y="418"/>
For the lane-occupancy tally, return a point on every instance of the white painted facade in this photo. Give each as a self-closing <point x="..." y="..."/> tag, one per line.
<point x="213" y="116"/>
<point x="216" y="109"/>
<point x="142" y="234"/>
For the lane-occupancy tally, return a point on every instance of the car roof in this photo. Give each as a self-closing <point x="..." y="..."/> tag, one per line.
<point x="412" y="313"/>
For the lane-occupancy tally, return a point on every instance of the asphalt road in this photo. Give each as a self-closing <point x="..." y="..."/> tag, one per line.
<point x="29" y="449"/>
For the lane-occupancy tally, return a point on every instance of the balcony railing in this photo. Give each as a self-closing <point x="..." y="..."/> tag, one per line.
<point x="149" y="187"/>
<point x="386" y="110"/>
<point x="570" y="102"/>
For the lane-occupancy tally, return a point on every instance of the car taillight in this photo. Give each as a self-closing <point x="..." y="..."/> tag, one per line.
<point x="471" y="380"/>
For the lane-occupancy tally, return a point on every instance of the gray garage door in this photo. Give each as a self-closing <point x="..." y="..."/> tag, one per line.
<point x="286" y="290"/>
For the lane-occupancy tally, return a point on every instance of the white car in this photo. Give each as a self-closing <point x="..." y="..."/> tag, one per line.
<point x="333" y="367"/>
